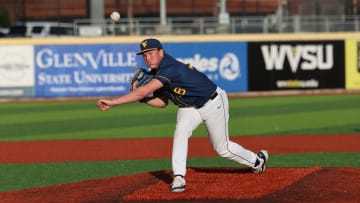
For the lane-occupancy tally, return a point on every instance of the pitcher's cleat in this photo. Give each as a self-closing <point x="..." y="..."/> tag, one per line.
<point x="178" y="184"/>
<point x="262" y="158"/>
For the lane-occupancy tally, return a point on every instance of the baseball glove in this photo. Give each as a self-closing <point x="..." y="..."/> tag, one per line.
<point x="140" y="77"/>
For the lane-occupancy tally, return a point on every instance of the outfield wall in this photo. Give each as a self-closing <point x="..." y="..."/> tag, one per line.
<point x="73" y="67"/>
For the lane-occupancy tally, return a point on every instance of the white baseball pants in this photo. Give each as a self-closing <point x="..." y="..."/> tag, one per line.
<point x="215" y="115"/>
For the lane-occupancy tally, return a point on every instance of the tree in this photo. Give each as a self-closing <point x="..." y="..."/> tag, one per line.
<point x="4" y="17"/>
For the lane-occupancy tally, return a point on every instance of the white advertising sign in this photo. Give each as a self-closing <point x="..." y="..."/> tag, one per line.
<point x="16" y="66"/>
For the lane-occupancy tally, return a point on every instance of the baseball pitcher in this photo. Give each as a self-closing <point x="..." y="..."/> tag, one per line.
<point x="199" y="101"/>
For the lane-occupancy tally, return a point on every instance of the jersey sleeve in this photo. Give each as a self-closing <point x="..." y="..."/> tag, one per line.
<point x="164" y="76"/>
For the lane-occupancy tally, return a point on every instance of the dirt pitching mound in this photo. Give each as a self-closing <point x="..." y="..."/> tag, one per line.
<point x="212" y="184"/>
<point x="314" y="184"/>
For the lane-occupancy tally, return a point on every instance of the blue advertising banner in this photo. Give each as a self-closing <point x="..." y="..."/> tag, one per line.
<point x="225" y="63"/>
<point x="105" y="69"/>
<point x="84" y="70"/>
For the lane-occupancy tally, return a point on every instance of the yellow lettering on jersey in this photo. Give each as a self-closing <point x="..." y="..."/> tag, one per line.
<point x="179" y="91"/>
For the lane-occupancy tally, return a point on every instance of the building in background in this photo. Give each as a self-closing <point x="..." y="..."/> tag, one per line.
<point x="68" y="10"/>
<point x="142" y="17"/>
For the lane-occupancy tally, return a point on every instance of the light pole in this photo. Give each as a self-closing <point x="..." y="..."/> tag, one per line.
<point x="162" y="12"/>
<point x="224" y="17"/>
<point x="281" y="15"/>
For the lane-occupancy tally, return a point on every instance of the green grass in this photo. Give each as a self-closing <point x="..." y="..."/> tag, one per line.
<point x="248" y="116"/>
<point x="20" y="176"/>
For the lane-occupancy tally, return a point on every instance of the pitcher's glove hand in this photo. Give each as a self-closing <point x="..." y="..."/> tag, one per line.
<point x="140" y="77"/>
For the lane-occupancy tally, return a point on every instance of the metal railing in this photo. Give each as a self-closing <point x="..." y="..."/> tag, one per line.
<point x="210" y="25"/>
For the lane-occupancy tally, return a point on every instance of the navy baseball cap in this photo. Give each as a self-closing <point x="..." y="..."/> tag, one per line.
<point x="148" y="45"/>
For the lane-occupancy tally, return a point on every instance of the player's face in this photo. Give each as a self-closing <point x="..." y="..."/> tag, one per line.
<point x="153" y="58"/>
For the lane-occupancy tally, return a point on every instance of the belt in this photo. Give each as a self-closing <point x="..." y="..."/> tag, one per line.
<point x="212" y="97"/>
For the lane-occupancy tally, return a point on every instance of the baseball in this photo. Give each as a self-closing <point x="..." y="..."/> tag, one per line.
<point x="115" y="16"/>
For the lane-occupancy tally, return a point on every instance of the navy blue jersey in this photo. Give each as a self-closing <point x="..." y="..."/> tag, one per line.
<point x="183" y="84"/>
